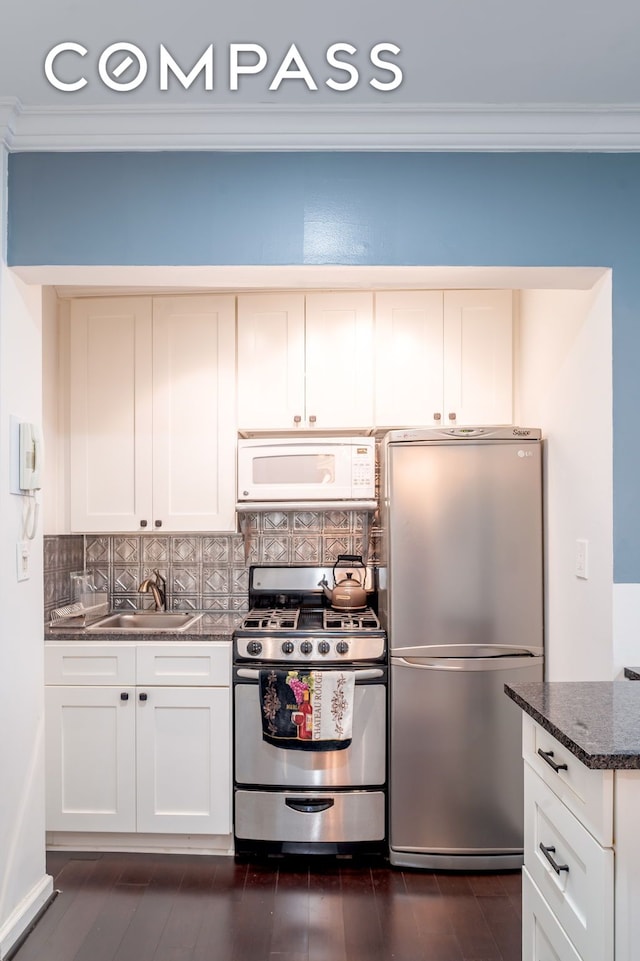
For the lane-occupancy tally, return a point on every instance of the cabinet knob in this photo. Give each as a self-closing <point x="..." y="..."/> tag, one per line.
<point x="452" y="415"/>
<point x="143" y="523"/>
<point x="124" y="696"/>
<point x="312" y="418"/>
<point x="297" y="419"/>
<point x="143" y="697"/>
<point x="437" y="415"/>
<point x="157" y="523"/>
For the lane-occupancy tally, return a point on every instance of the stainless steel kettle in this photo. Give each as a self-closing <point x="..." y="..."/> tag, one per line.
<point x="347" y="594"/>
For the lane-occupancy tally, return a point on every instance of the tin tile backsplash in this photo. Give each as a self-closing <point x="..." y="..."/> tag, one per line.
<point x="203" y="571"/>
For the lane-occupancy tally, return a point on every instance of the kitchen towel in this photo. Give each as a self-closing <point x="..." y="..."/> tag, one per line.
<point x="307" y="710"/>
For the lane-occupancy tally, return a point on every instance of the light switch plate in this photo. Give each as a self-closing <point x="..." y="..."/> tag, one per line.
<point x="23" y="560"/>
<point x="582" y="559"/>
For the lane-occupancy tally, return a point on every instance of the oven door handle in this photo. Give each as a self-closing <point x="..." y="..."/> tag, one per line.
<point x="369" y="674"/>
<point x="309" y="805"/>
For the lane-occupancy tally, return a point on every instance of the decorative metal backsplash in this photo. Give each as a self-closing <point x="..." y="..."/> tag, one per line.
<point x="203" y="571"/>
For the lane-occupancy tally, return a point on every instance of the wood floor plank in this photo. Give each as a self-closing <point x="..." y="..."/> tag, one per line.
<point x="138" y="907"/>
<point x="290" y="930"/>
<point x="107" y="932"/>
<point x="363" y="934"/>
<point x="141" y="939"/>
<point x="65" y="924"/>
<point x="326" y="916"/>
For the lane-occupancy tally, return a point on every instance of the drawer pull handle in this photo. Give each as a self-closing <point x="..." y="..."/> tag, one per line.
<point x="548" y="851"/>
<point x="309" y="805"/>
<point x="548" y="757"/>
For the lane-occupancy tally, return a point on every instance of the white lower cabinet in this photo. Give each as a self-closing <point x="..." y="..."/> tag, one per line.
<point x="145" y="750"/>
<point x="581" y="876"/>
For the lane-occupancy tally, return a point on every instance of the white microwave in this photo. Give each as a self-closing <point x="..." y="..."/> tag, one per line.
<point x="306" y="472"/>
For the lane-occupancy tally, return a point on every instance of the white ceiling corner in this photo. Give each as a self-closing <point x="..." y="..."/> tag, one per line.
<point x="267" y="127"/>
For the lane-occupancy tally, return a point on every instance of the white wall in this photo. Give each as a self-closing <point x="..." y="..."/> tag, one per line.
<point x="24" y="886"/>
<point x="565" y="387"/>
<point x="55" y="413"/>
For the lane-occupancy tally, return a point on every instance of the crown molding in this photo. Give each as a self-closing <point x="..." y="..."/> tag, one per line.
<point x="270" y="127"/>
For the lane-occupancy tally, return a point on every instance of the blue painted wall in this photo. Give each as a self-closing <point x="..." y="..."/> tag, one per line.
<point x="356" y="208"/>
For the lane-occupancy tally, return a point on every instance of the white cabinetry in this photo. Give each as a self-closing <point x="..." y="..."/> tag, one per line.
<point x="138" y="738"/>
<point x="151" y="411"/>
<point x="305" y="360"/>
<point x="576" y="879"/>
<point x="443" y="358"/>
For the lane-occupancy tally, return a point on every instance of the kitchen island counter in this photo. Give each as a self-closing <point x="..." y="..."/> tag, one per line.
<point x="597" y="721"/>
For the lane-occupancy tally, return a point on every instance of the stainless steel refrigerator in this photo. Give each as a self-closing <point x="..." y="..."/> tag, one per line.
<point x="461" y="597"/>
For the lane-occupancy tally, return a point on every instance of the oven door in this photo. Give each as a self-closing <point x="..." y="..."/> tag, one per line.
<point x="363" y="763"/>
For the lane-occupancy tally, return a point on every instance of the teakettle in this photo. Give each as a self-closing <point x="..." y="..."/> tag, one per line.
<point x="347" y="594"/>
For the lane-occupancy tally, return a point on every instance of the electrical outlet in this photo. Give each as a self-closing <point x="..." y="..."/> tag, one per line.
<point x="23" y="561"/>
<point x="582" y="558"/>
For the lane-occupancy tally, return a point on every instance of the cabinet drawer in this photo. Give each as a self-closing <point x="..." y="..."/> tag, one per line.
<point x="542" y="937"/>
<point x="89" y="664"/>
<point x="588" y="794"/>
<point x="192" y="665"/>
<point x="580" y="892"/>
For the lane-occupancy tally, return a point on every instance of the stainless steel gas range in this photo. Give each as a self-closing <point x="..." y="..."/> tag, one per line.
<point x="308" y="801"/>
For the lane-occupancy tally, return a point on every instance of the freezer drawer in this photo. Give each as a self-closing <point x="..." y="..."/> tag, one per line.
<point x="456" y="775"/>
<point x="312" y="816"/>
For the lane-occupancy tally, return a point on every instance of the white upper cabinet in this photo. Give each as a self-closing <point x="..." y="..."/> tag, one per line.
<point x="194" y="423"/>
<point x="339" y="359"/>
<point x="270" y="360"/>
<point x="478" y="357"/>
<point x="443" y="358"/>
<point x="305" y="361"/>
<point x="152" y="414"/>
<point x="409" y="368"/>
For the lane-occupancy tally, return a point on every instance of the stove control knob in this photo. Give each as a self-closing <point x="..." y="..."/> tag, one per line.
<point x="254" y="647"/>
<point x="306" y="647"/>
<point x="324" y="647"/>
<point x="287" y="647"/>
<point x="342" y="647"/>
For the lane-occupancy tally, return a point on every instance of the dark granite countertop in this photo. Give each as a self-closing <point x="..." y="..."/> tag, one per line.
<point x="206" y="628"/>
<point x="598" y="721"/>
<point x="632" y="673"/>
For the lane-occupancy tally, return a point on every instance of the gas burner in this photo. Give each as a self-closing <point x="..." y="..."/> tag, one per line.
<point x="364" y="620"/>
<point x="274" y="619"/>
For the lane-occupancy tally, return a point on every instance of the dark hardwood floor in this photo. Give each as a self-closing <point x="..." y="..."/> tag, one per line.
<point x="142" y="907"/>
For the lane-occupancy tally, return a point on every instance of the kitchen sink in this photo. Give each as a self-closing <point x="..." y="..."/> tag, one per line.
<point x="146" y="621"/>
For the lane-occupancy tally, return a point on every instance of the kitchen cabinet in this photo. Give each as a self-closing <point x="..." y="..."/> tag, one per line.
<point x="584" y="908"/>
<point x="443" y="358"/>
<point x="305" y="360"/>
<point x="138" y="738"/>
<point x="151" y="413"/>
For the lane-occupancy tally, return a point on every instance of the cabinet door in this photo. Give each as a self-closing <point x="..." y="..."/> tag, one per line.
<point x="184" y="772"/>
<point x="339" y="359"/>
<point x="409" y="362"/>
<point x="90" y="758"/>
<point x="110" y="415"/>
<point x="478" y="357"/>
<point x="194" y="425"/>
<point x="271" y="360"/>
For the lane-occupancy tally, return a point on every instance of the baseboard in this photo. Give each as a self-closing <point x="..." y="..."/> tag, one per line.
<point x="140" y="843"/>
<point x="20" y="920"/>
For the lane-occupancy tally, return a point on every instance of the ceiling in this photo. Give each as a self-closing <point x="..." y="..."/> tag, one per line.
<point x="452" y="51"/>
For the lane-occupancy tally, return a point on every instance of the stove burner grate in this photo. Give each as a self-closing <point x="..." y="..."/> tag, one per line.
<point x="272" y="620"/>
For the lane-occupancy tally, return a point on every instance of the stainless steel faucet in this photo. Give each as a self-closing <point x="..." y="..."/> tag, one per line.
<point x="158" y="587"/>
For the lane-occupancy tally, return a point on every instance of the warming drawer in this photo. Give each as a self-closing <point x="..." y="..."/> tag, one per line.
<point x="310" y="816"/>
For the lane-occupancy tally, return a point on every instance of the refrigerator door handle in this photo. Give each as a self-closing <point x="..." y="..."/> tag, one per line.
<point x="462" y="663"/>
